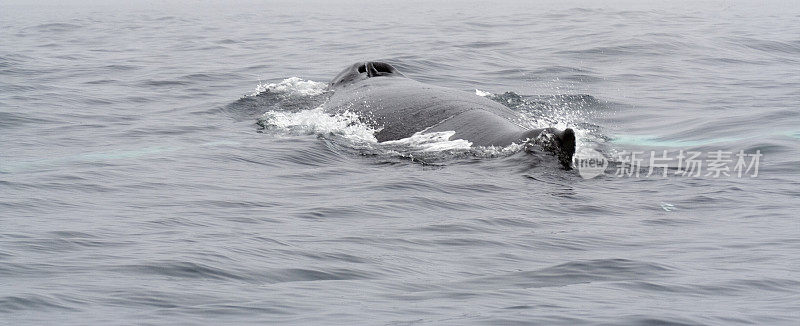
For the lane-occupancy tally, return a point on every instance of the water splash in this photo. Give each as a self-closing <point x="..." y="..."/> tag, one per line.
<point x="557" y="111"/>
<point x="293" y="85"/>
<point x="432" y="142"/>
<point x="482" y="93"/>
<point x="349" y="131"/>
<point x="317" y="121"/>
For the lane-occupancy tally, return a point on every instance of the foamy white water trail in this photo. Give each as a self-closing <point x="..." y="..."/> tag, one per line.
<point x="293" y="85"/>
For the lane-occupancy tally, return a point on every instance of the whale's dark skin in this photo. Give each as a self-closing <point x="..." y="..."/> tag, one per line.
<point x="385" y="98"/>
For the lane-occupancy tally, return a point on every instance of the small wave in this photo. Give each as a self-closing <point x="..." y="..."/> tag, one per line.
<point x="30" y="302"/>
<point x="160" y="83"/>
<point x="183" y="269"/>
<point x="118" y="67"/>
<point x="54" y="27"/>
<point x="101" y="81"/>
<point x="575" y="272"/>
<point x="482" y="44"/>
<point x="197" y="270"/>
<point x="10" y="120"/>
<point x="308" y="275"/>
<point x="292" y="85"/>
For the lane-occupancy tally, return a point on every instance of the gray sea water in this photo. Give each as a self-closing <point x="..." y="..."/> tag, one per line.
<point x="168" y="163"/>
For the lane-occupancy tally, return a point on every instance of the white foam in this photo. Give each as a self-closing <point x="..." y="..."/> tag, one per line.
<point x="492" y="151"/>
<point x="348" y="127"/>
<point x="482" y="93"/>
<point x="432" y="142"/>
<point x="317" y="121"/>
<point x="293" y="85"/>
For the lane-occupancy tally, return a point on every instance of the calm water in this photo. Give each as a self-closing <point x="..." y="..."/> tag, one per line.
<point x="166" y="163"/>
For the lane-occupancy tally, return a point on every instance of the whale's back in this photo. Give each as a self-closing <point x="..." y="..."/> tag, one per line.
<point x="402" y="107"/>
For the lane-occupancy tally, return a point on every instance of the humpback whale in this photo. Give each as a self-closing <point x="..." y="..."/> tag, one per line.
<point x="400" y="107"/>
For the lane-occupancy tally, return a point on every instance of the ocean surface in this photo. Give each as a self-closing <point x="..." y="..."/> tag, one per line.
<point x="173" y="163"/>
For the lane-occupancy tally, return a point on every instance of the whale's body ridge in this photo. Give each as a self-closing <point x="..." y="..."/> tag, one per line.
<point x="401" y="107"/>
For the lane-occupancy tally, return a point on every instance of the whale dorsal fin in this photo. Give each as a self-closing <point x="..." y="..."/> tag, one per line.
<point x="559" y="142"/>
